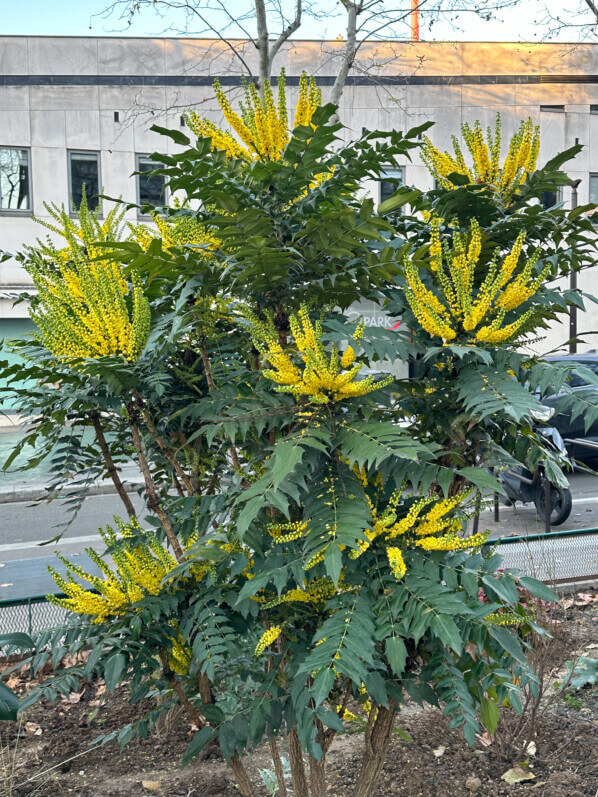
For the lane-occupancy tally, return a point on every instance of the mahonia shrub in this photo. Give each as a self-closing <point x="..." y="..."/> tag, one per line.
<point x="306" y="563"/>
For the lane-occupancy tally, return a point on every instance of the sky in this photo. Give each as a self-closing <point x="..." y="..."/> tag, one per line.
<point x="83" y="18"/>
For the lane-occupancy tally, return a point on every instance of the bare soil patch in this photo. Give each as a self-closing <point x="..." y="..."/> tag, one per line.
<point x="54" y="756"/>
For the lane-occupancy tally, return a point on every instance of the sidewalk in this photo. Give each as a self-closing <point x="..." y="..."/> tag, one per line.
<point x="36" y="491"/>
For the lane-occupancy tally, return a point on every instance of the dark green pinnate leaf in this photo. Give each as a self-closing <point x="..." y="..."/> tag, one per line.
<point x="537" y="588"/>
<point x="9" y="703"/>
<point x="114" y="669"/>
<point x="508" y="642"/>
<point x="197" y="744"/>
<point x="396" y="653"/>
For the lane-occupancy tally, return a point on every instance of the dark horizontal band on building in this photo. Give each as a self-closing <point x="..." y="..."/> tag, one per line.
<point x="292" y="80"/>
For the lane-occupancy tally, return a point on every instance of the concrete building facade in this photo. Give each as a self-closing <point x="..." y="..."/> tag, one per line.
<point x="80" y="109"/>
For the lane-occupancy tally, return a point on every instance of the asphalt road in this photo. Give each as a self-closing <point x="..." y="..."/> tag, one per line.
<point x="24" y="527"/>
<point x="523" y="520"/>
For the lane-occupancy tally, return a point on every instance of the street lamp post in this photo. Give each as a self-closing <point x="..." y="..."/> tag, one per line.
<point x="573" y="282"/>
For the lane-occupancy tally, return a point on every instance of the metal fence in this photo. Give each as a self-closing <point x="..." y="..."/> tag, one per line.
<point x="561" y="557"/>
<point x="29" y="615"/>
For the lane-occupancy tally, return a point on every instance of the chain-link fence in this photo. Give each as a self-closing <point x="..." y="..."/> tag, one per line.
<point x="29" y="615"/>
<point x="561" y="557"/>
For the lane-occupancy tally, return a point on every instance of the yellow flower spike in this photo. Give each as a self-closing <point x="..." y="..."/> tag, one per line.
<point x="268" y="637"/>
<point x="320" y="378"/>
<point x="262" y="127"/>
<point x="462" y="310"/>
<point x="396" y="562"/>
<point x="520" y="161"/>
<point x="450" y="542"/>
<point x="138" y="572"/>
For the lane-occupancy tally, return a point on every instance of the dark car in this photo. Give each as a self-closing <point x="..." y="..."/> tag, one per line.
<point x="575" y="429"/>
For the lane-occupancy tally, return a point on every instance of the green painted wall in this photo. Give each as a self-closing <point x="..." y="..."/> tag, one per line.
<point x="13" y="329"/>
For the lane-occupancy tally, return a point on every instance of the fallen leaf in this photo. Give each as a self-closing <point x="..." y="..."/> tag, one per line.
<point x="517" y="774"/>
<point x="440" y="751"/>
<point x="484" y="738"/>
<point x="531" y="749"/>
<point x="472" y="649"/>
<point x="592" y="646"/>
<point x="583" y="598"/>
<point x="33" y="729"/>
<point x="74" y="697"/>
<point x="151" y="785"/>
<point x="13" y="682"/>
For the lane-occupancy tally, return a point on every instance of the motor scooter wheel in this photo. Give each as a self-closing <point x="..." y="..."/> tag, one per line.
<point x="561" y="504"/>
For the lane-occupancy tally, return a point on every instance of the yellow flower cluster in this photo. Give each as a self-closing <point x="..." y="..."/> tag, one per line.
<point x="320" y="379"/>
<point x="450" y="542"/>
<point x="396" y="562"/>
<point x="268" y="637"/>
<point x="83" y="312"/>
<point x="262" y="124"/>
<point x="505" y="618"/>
<point x="85" y="306"/>
<point x="140" y="571"/>
<point x="520" y="161"/>
<point x="317" y="591"/>
<point x="84" y="234"/>
<point x="424" y="526"/>
<point x="179" y="656"/>
<point x="177" y="231"/>
<point x="472" y="308"/>
<point x="295" y="530"/>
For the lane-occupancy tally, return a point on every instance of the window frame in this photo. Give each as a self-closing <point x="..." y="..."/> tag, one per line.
<point x="560" y="197"/>
<point x="392" y="173"/>
<point x="140" y="156"/>
<point x="98" y="154"/>
<point x="590" y="176"/>
<point x="18" y="211"/>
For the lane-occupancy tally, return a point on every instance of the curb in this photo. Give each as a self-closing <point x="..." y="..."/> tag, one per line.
<point x="39" y="494"/>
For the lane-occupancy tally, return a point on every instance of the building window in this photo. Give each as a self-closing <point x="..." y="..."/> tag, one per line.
<point x="552" y="198"/>
<point x="594" y="188"/>
<point x="391" y="181"/>
<point x="151" y="189"/>
<point x="84" y="176"/>
<point x="594" y="109"/>
<point x="552" y="108"/>
<point x="15" y="179"/>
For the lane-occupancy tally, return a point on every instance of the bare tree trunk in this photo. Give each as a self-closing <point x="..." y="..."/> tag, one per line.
<point x="376" y="748"/>
<point x="263" y="46"/>
<point x="353" y="10"/>
<point x="300" y="788"/>
<point x="317" y="776"/>
<point x="278" y="768"/>
<point x="164" y="448"/>
<point x="153" y="501"/>
<point x="240" y="773"/>
<point x="110" y="466"/>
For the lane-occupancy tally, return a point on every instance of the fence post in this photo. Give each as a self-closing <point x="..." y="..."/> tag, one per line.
<point x="547" y="506"/>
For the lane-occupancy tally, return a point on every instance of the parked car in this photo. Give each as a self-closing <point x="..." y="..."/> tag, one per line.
<point x="575" y="429"/>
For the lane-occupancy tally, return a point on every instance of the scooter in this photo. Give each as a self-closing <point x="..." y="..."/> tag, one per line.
<point x="522" y="485"/>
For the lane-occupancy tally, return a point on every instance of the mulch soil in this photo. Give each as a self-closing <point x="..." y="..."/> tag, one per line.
<point x="53" y="754"/>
